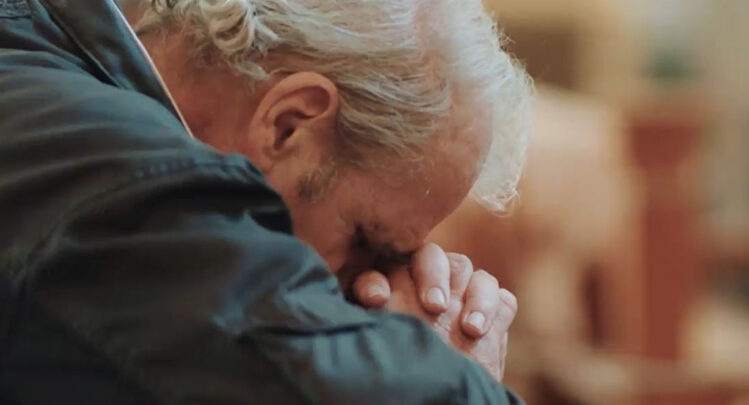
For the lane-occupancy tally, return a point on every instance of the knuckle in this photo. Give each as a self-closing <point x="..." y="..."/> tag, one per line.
<point x="460" y="259"/>
<point x="459" y="263"/>
<point x="486" y="277"/>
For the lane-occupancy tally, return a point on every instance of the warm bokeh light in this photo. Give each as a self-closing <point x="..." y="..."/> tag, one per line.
<point x="629" y="244"/>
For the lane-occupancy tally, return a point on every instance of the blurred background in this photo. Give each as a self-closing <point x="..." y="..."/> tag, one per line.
<point x="628" y="247"/>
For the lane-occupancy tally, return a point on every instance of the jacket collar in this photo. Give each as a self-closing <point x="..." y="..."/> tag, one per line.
<point x="102" y="33"/>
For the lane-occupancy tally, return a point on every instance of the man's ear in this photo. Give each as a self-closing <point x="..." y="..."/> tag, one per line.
<point x="296" y="116"/>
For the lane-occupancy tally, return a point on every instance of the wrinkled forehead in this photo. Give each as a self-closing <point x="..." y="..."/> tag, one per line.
<point x="422" y="193"/>
<point x="460" y="150"/>
<point x="452" y="163"/>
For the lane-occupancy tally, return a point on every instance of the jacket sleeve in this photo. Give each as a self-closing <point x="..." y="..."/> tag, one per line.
<point x="174" y="264"/>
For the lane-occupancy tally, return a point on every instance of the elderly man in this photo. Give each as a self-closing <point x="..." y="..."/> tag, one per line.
<point x="145" y="259"/>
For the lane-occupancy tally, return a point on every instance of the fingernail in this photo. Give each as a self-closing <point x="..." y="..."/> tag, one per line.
<point x="375" y="291"/>
<point x="435" y="296"/>
<point x="476" y="319"/>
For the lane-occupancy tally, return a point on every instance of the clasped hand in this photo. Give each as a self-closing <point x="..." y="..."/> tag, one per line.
<point x="466" y="307"/>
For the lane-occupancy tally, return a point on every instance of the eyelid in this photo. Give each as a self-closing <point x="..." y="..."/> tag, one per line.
<point x="392" y="260"/>
<point x="360" y="238"/>
<point x="380" y="259"/>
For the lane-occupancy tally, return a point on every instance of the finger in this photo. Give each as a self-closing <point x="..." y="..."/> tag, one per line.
<point x="504" y="344"/>
<point x="461" y="269"/>
<point x="371" y="289"/>
<point x="403" y="295"/>
<point x="503" y="358"/>
<point x="507" y="310"/>
<point x="431" y="272"/>
<point x="482" y="304"/>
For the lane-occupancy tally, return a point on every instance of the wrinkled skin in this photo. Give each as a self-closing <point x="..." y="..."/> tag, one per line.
<point x="469" y="292"/>
<point x="360" y="219"/>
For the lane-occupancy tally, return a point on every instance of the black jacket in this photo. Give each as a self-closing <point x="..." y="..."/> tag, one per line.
<point x="139" y="266"/>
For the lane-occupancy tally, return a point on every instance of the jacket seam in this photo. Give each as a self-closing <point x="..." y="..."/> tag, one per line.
<point x="18" y="6"/>
<point x="90" y="56"/>
<point x="151" y="172"/>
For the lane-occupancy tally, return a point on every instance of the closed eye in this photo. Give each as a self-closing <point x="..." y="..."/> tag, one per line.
<point x="362" y="255"/>
<point x="390" y="259"/>
<point x="377" y="256"/>
<point x="360" y="241"/>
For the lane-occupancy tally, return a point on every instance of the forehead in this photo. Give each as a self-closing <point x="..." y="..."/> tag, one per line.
<point x="469" y="135"/>
<point x="412" y="200"/>
<point x="453" y="160"/>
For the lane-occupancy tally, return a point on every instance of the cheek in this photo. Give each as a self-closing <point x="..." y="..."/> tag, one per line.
<point x="319" y="224"/>
<point x="323" y="230"/>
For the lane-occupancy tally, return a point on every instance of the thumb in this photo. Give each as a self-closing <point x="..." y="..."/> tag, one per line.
<point x="371" y="289"/>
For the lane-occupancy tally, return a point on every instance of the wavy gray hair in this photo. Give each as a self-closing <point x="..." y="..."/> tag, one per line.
<point x="398" y="65"/>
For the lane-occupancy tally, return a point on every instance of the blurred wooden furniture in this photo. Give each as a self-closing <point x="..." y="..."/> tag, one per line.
<point x="568" y="246"/>
<point x="604" y="251"/>
<point x="664" y="142"/>
<point x="623" y="380"/>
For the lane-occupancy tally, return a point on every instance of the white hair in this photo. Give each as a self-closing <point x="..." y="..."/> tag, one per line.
<point x="398" y="65"/>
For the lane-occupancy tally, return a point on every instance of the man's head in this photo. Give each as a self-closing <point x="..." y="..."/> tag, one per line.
<point x="372" y="118"/>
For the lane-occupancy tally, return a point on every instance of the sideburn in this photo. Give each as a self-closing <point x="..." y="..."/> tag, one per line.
<point x="313" y="187"/>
